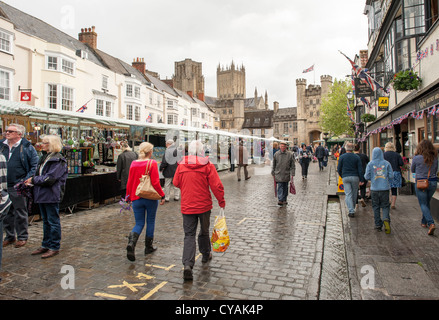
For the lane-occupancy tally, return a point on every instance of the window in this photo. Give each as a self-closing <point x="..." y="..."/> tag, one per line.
<point x="129" y="92"/>
<point x="285" y="127"/>
<point x="67" y="66"/>
<point x="150" y="98"/>
<point x="53" y="96"/>
<point x="52" y="63"/>
<point x="294" y="126"/>
<point x="172" y="119"/>
<point x="414" y="17"/>
<point x="57" y="62"/>
<point x="67" y="99"/>
<point x="99" y="107"/>
<point x="60" y="97"/>
<point x="129" y="112"/>
<point x="276" y="128"/>
<point x="105" y="82"/>
<point x="6" y="41"/>
<point x="137" y="113"/>
<point x="108" y="109"/>
<point x="5" y="85"/>
<point x="137" y="92"/>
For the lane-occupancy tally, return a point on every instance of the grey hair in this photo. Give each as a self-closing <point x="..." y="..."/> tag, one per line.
<point x="20" y="128"/>
<point x="196" y="148"/>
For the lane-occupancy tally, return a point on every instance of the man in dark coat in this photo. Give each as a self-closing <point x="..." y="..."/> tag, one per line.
<point x="320" y="155"/>
<point x="168" y="167"/>
<point x="124" y="161"/>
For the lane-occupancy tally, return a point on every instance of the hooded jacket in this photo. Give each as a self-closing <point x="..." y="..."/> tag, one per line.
<point x="196" y="176"/>
<point x="50" y="179"/>
<point x="379" y="171"/>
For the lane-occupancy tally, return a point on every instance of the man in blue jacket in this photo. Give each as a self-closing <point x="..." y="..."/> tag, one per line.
<point x="350" y="170"/>
<point x="22" y="161"/>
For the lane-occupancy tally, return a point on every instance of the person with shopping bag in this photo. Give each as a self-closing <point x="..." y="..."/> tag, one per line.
<point x="283" y="170"/>
<point x="144" y="208"/>
<point x="196" y="176"/>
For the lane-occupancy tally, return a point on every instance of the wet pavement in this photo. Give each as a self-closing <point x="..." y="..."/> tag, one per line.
<point x="306" y="250"/>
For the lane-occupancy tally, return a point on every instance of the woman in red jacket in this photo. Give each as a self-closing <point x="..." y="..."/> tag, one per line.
<point x="194" y="176"/>
<point x="140" y="205"/>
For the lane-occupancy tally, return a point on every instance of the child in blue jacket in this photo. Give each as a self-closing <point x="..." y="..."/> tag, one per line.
<point x="379" y="172"/>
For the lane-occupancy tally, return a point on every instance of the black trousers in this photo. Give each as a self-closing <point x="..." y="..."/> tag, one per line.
<point x="190" y="223"/>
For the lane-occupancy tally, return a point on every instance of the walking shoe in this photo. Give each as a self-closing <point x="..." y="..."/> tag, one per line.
<point x="431" y="229"/>
<point x="378" y="228"/>
<point x="20" y="243"/>
<point x="387" y="226"/>
<point x="187" y="273"/>
<point x="280" y="203"/>
<point x="40" y="250"/>
<point x="8" y="242"/>
<point x="363" y="203"/>
<point x="49" y="254"/>
<point x="247" y="178"/>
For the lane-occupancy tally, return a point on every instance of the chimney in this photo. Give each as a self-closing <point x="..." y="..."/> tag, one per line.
<point x="140" y="65"/>
<point x="190" y="94"/>
<point x="89" y="37"/>
<point x="200" y="96"/>
<point x="276" y="106"/>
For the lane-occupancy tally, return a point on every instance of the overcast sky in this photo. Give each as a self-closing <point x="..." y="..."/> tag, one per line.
<point x="274" y="39"/>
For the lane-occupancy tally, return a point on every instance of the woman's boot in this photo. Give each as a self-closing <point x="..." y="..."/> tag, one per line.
<point x="148" y="245"/>
<point x="132" y="241"/>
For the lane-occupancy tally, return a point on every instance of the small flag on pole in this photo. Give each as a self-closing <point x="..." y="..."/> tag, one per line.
<point x="309" y="69"/>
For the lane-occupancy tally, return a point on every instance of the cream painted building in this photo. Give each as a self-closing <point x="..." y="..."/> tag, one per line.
<point x="66" y="74"/>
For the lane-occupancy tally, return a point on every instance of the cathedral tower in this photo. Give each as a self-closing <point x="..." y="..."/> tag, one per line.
<point x="230" y="82"/>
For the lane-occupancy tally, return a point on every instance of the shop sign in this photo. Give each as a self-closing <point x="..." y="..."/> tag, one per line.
<point x="362" y="89"/>
<point x="428" y="101"/>
<point x="383" y="104"/>
<point x="25" y="96"/>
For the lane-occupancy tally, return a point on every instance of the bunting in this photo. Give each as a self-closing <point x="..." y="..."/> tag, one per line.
<point x="432" y="111"/>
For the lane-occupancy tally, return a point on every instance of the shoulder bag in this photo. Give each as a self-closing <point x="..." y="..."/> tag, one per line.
<point x="145" y="189"/>
<point x="422" y="184"/>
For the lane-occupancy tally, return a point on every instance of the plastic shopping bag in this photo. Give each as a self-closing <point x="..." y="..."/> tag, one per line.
<point x="220" y="236"/>
<point x="292" y="186"/>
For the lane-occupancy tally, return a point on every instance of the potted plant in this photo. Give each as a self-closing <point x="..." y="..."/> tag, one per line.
<point x="406" y="80"/>
<point x="367" y="117"/>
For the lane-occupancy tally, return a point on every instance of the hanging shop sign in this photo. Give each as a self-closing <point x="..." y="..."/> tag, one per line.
<point x="383" y="104"/>
<point x="25" y="96"/>
<point x="362" y="89"/>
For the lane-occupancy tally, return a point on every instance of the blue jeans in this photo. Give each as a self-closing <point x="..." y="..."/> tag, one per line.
<point x="351" y="190"/>
<point x="380" y="200"/>
<point x="424" y="198"/>
<point x="282" y="191"/>
<point x="51" y="226"/>
<point x="145" y="209"/>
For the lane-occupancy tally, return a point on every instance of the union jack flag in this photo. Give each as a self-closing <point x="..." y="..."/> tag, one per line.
<point x="309" y="69"/>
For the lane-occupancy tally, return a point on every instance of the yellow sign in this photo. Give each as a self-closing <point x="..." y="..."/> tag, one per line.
<point x="383" y="102"/>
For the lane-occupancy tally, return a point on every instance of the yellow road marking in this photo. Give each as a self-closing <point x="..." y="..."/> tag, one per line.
<point x="112" y="296"/>
<point x="130" y="286"/>
<point x="160" y="267"/>
<point x="144" y="276"/>
<point x="157" y="288"/>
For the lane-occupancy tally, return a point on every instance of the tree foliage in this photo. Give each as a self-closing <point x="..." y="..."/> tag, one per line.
<point x="333" y="115"/>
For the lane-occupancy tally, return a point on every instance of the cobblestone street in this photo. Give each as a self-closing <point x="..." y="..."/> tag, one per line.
<point x="275" y="253"/>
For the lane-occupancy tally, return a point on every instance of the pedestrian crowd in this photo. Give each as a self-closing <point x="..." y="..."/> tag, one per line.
<point x="191" y="178"/>
<point x="384" y="174"/>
